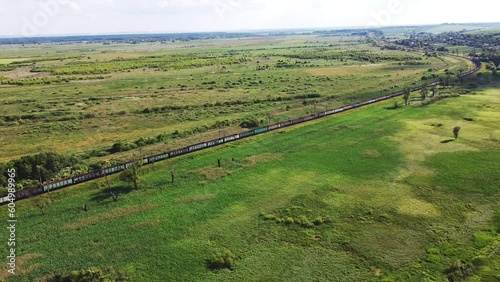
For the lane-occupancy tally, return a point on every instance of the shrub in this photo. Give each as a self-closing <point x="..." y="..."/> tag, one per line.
<point x="433" y="258"/>
<point x="90" y="275"/>
<point x="289" y="220"/>
<point x="456" y="131"/>
<point x="318" y="221"/>
<point x="459" y="271"/>
<point x="496" y="221"/>
<point x="250" y="123"/>
<point x="482" y="239"/>
<point x="269" y="217"/>
<point x="122" y="147"/>
<point x="221" y="260"/>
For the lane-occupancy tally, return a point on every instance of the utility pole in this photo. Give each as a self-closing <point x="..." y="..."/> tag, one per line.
<point x="39" y="174"/>
<point x="141" y="160"/>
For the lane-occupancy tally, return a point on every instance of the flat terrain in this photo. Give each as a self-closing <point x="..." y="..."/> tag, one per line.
<point x="371" y="194"/>
<point x="83" y="98"/>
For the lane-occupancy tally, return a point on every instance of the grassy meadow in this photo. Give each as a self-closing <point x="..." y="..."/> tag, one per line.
<point x="376" y="194"/>
<point x="83" y="98"/>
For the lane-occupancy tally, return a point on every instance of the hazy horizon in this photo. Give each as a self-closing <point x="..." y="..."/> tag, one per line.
<point x="76" y="17"/>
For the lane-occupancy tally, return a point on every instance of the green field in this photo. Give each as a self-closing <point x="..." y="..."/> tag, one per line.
<point x="8" y="61"/>
<point x="83" y="98"/>
<point x="374" y="194"/>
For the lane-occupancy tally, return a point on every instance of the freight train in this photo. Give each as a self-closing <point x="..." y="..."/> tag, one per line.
<point x="63" y="183"/>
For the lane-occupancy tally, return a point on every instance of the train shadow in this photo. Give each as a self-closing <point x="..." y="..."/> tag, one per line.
<point x="107" y="194"/>
<point x="447" y="141"/>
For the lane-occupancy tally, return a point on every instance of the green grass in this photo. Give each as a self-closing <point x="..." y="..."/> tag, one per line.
<point x="93" y="114"/>
<point x="8" y="61"/>
<point x="465" y="172"/>
<point x="395" y="203"/>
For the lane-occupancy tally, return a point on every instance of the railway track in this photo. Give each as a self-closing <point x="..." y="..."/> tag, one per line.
<point x="75" y="180"/>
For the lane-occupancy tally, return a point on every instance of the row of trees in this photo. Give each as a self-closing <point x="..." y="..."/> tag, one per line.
<point x="154" y="62"/>
<point x="47" y="80"/>
<point x="363" y="55"/>
<point x="424" y="93"/>
<point x="42" y="167"/>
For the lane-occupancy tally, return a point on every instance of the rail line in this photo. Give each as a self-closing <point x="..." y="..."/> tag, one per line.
<point x="75" y="180"/>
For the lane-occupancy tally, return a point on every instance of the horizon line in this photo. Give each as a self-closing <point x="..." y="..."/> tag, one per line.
<point x="236" y="30"/>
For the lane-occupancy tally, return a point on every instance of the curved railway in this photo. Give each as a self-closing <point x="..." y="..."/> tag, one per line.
<point x="71" y="181"/>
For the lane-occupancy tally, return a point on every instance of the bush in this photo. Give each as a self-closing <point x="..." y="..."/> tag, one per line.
<point x="122" y="147"/>
<point x="496" y="221"/>
<point x="318" y="221"/>
<point x="459" y="271"/>
<point x="221" y="260"/>
<point x="90" y="275"/>
<point x="289" y="220"/>
<point x="482" y="239"/>
<point x="250" y="123"/>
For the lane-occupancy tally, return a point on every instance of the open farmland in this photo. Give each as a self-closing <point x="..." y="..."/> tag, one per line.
<point x="374" y="194"/>
<point x="83" y="98"/>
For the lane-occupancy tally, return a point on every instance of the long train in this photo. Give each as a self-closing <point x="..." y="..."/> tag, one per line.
<point x="63" y="183"/>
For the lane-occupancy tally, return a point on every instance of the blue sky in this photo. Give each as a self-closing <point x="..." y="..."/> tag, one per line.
<point x="50" y="17"/>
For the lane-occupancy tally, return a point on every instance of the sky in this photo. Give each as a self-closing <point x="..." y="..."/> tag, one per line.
<point x="62" y="17"/>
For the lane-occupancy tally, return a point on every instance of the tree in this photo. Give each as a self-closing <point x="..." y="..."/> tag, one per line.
<point x="114" y="196"/>
<point x="406" y="95"/>
<point x="171" y="169"/>
<point x="456" y="131"/>
<point x="106" y="178"/>
<point x="41" y="202"/>
<point x="434" y="90"/>
<point x="445" y="80"/>
<point x="460" y="78"/>
<point x="493" y="68"/>
<point x="131" y="174"/>
<point x="424" y="92"/>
